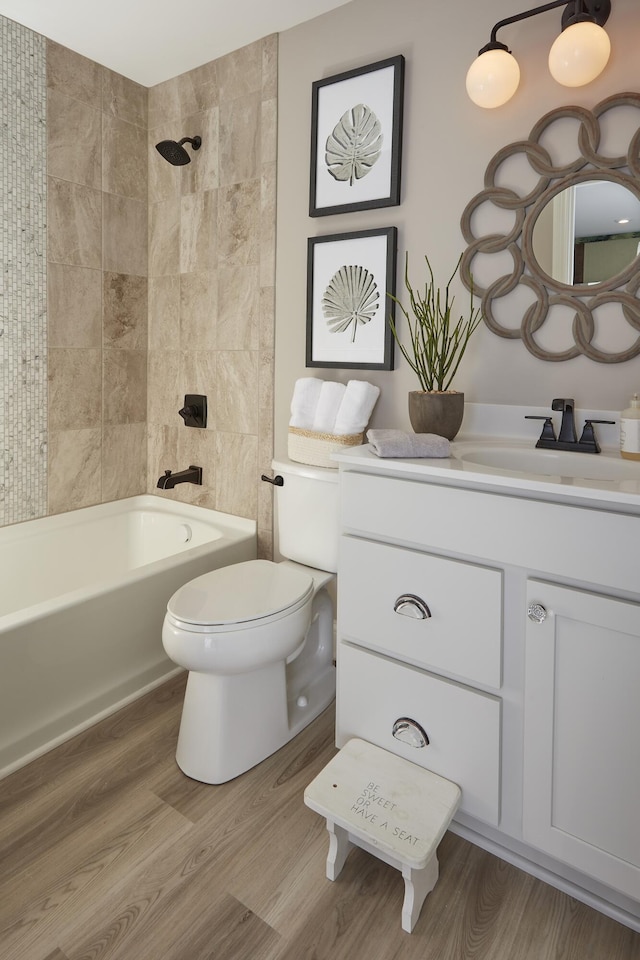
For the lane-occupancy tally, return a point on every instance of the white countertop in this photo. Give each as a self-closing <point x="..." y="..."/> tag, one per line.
<point x="620" y="495"/>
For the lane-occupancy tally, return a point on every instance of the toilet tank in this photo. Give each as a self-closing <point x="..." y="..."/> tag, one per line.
<point x="307" y="514"/>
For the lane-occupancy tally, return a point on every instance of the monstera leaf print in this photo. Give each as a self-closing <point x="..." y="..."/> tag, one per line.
<point x="355" y="144"/>
<point x="350" y="300"/>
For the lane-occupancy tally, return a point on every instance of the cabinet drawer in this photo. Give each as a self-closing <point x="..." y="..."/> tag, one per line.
<point x="462" y="635"/>
<point x="463" y="725"/>
<point x="593" y="546"/>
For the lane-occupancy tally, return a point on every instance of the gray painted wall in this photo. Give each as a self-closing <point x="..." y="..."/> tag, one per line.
<point x="448" y="142"/>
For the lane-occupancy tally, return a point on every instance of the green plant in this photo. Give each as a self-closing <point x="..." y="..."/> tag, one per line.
<point x="437" y="343"/>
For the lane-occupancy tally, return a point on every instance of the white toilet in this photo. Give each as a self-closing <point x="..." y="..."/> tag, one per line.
<point x="257" y="637"/>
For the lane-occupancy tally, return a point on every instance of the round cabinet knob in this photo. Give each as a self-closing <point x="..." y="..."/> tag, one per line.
<point x="536" y="613"/>
<point x="408" y="605"/>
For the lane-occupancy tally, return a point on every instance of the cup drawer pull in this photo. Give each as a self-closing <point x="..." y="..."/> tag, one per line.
<point x="408" y="605"/>
<point x="410" y="732"/>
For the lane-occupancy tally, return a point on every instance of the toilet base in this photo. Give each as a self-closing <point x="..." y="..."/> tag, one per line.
<point x="231" y="723"/>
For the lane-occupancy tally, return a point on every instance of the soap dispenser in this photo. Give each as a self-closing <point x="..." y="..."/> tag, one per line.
<point x="630" y="430"/>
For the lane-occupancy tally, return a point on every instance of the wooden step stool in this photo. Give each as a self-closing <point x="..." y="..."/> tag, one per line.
<point x="389" y="807"/>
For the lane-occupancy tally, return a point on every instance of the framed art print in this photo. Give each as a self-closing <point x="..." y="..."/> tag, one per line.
<point x="356" y="139"/>
<point x="349" y="277"/>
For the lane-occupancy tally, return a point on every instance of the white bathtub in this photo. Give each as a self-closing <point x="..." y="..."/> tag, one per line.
<point x="82" y="601"/>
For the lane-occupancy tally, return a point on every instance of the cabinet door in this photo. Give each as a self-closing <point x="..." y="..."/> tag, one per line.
<point x="582" y="733"/>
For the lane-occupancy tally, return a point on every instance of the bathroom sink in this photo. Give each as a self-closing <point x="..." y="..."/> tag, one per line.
<point x="550" y="463"/>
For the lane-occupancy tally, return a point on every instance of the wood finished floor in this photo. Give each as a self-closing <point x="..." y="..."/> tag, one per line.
<point x="108" y="852"/>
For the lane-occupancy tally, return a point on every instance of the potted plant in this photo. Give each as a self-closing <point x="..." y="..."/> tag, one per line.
<point x="438" y="343"/>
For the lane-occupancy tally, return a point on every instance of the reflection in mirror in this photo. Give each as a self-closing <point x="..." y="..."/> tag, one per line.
<point x="587" y="233"/>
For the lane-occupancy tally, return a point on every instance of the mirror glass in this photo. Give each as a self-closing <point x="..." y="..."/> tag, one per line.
<point x="587" y="233"/>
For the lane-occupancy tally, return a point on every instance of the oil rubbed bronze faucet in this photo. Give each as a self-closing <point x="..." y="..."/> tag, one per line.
<point x="567" y="439"/>
<point x="568" y="423"/>
<point x="169" y="480"/>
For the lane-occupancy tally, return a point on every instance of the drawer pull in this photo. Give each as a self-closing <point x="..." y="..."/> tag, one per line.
<point x="408" y="605"/>
<point x="410" y="732"/>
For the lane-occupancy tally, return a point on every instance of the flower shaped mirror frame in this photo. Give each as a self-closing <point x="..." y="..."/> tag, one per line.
<point x="583" y="299"/>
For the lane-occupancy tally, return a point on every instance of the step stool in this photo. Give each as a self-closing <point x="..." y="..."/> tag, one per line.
<point x="391" y="808"/>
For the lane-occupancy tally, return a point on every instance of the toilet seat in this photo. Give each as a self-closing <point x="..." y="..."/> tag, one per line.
<point x="238" y="596"/>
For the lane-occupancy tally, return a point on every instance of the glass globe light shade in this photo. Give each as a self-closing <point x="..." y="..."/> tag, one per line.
<point x="493" y="78"/>
<point x="579" y="54"/>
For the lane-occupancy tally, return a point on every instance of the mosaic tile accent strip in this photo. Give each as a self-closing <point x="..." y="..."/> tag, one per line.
<point x="23" y="318"/>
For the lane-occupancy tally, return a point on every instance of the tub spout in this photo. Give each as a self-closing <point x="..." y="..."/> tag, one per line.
<point x="169" y="480"/>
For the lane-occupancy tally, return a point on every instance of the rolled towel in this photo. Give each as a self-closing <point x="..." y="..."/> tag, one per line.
<point x="397" y="443"/>
<point x="331" y="395"/>
<point x="356" y="407"/>
<point x="304" y="401"/>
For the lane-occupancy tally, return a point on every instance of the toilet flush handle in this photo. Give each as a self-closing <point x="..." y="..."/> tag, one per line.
<point x="277" y="481"/>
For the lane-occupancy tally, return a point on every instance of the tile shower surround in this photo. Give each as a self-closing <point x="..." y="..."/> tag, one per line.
<point x="23" y="319"/>
<point x="160" y="281"/>
<point x="97" y="282"/>
<point x="211" y="280"/>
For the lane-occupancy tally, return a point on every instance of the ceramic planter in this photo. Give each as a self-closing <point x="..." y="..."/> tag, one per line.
<point x="439" y="413"/>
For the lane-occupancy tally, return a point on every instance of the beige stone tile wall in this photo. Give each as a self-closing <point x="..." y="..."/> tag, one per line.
<point x="211" y="247"/>
<point x="96" y="282"/>
<point x="161" y="281"/>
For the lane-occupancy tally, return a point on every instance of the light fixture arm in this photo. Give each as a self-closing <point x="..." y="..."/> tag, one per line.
<point x="596" y="10"/>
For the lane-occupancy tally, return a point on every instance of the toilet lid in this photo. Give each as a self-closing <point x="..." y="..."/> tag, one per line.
<point x="242" y="592"/>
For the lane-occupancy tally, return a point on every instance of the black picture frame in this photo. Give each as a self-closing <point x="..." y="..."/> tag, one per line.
<point x="349" y="278"/>
<point x="346" y="107"/>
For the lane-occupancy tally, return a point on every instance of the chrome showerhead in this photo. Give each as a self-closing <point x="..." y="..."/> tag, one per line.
<point x="175" y="153"/>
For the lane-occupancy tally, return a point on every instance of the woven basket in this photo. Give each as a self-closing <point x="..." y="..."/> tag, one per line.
<point x="305" y="446"/>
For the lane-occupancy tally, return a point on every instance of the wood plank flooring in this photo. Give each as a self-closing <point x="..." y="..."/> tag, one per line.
<point x="108" y="852"/>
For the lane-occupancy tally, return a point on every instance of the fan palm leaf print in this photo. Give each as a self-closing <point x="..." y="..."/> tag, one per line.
<point x="350" y="300"/>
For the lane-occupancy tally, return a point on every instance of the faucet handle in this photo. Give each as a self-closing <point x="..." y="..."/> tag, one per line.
<point x="548" y="433"/>
<point x="588" y="434"/>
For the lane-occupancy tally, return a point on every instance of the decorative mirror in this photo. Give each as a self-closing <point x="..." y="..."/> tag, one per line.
<point x="570" y="240"/>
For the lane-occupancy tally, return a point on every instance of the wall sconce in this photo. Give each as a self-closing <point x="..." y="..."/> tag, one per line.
<point x="577" y="56"/>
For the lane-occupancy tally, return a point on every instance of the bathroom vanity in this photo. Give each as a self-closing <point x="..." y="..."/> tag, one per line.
<point x="495" y="613"/>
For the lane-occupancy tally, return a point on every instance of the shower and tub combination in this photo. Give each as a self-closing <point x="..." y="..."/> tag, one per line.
<point x="85" y="595"/>
<point x="82" y="603"/>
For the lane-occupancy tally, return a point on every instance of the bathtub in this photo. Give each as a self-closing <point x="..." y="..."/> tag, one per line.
<point x="82" y="601"/>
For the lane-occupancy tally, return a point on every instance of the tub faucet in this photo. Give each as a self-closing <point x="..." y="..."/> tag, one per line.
<point x="169" y="480"/>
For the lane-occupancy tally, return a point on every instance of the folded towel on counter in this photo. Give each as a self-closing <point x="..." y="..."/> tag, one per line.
<point x="397" y="443"/>
<point x="356" y="407"/>
<point x="329" y="401"/>
<point x="306" y="394"/>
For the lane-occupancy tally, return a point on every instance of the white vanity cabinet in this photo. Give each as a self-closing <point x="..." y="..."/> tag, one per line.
<point x="506" y="627"/>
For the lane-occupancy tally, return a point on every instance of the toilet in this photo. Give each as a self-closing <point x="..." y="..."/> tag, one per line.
<point x="257" y="637"/>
